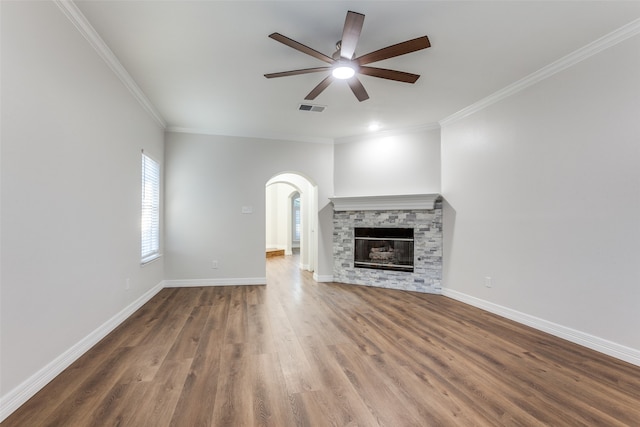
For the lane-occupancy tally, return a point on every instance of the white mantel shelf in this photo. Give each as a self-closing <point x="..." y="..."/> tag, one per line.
<point x="385" y="203"/>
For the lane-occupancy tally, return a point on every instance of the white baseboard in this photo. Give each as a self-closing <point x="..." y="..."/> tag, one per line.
<point x="601" y="345"/>
<point x="189" y="283"/>
<point x="323" y="278"/>
<point x="23" y="392"/>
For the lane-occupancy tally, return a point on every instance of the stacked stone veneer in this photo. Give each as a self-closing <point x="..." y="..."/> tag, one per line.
<point x="427" y="250"/>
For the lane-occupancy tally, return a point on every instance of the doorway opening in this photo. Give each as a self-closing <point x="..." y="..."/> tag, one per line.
<point x="292" y="218"/>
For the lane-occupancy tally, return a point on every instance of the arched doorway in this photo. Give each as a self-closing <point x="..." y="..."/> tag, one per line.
<point x="286" y="195"/>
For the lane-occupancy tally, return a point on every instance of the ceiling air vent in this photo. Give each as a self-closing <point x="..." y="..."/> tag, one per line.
<point x="314" y="108"/>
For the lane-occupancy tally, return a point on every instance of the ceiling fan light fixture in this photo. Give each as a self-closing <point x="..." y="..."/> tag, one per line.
<point x="343" y="72"/>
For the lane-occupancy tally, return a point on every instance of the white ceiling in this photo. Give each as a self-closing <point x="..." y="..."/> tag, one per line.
<point x="201" y="63"/>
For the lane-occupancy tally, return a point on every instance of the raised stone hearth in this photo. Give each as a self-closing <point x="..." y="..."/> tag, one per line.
<point x="422" y="212"/>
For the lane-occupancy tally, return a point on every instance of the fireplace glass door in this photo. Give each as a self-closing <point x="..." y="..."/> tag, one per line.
<point x="384" y="248"/>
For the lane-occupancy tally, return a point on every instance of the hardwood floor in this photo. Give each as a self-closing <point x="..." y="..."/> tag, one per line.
<point x="297" y="352"/>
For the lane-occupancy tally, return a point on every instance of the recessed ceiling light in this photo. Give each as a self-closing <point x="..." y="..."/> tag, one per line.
<point x="374" y="126"/>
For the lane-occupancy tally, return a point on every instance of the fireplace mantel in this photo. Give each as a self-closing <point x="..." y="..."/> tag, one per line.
<point x="385" y="203"/>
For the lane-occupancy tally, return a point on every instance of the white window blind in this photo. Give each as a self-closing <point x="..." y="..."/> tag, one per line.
<point x="150" y="230"/>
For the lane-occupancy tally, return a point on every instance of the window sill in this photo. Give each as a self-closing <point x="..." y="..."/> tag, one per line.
<point x="150" y="259"/>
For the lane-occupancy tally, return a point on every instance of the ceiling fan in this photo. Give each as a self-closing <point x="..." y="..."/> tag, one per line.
<point x="344" y="65"/>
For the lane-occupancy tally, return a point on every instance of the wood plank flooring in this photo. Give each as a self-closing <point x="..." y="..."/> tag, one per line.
<point x="301" y="353"/>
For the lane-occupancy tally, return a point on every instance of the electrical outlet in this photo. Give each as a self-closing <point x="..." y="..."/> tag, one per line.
<point x="487" y="282"/>
<point x="214" y="263"/>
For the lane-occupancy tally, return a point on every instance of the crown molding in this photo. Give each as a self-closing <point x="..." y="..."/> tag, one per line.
<point x="301" y="138"/>
<point x="613" y="38"/>
<point x="275" y="137"/>
<point x="71" y="11"/>
<point x="388" y="132"/>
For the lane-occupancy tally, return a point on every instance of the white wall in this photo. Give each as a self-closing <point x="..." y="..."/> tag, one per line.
<point x="203" y="211"/>
<point x="71" y="141"/>
<point x="388" y="163"/>
<point x="271" y="217"/>
<point x="543" y="195"/>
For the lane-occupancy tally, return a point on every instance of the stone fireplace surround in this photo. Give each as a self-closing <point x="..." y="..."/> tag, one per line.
<point x="422" y="212"/>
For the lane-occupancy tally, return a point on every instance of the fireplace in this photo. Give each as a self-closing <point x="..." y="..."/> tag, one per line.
<point x="367" y="228"/>
<point x="383" y="248"/>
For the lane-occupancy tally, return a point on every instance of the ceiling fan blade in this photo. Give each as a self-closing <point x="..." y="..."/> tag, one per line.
<point x="351" y="34"/>
<point x="395" y="50"/>
<point x="318" y="89"/>
<point x="357" y="89"/>
<point x="296" y="72"/>
<point x="302" y="48"/>
<point x="383" y="73"/>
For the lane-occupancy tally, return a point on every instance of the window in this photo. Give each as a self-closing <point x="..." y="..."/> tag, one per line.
<point x="296" y="218"/>
<point x="150" y="221"/>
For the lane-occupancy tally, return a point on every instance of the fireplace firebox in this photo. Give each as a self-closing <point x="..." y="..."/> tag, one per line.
<point x="384" y="248"/>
